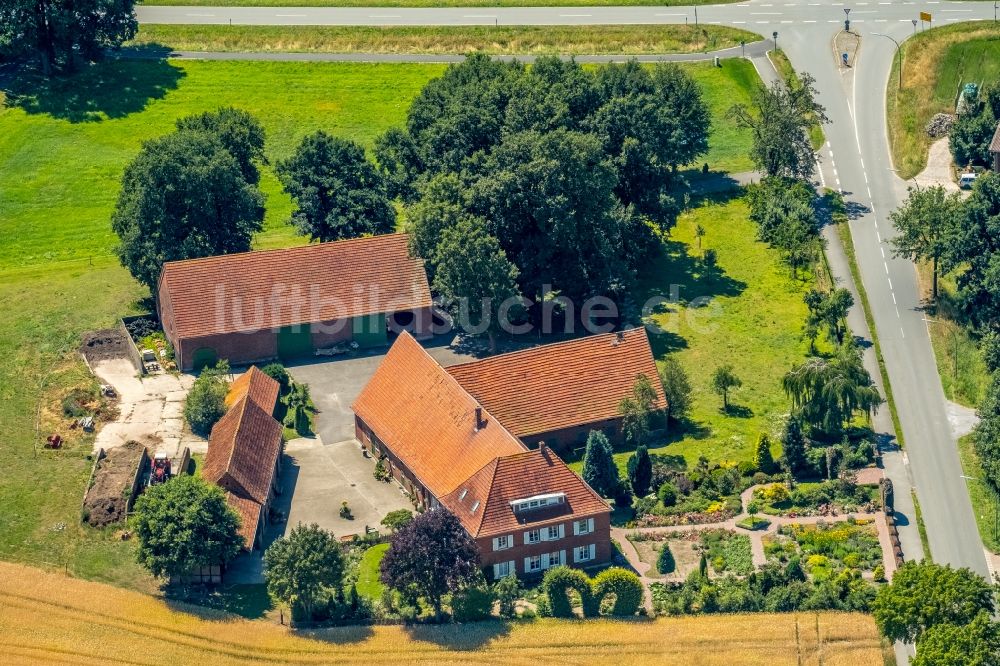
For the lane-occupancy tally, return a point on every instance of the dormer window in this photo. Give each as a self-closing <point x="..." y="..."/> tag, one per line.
<point x="538" y="502"/>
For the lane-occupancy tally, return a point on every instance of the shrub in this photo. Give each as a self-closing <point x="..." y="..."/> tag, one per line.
<point x="746" y="468"/>
<point x="626" y="587"/>
<point x="558" y="581"/>
<point x="398" y="519"/>
<point x="665" y="560"/>
<point x="277" y="372"/>
<point x="472" y="604"/>
<point x="508" y="591"/>
<point x="667" y="494"/>
<point x="205" y="403"/>
<point x="382" y="472"/>
<point x="773" y="493"/>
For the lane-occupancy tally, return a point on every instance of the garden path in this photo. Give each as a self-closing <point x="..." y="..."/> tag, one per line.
<point x="620" y="534"/>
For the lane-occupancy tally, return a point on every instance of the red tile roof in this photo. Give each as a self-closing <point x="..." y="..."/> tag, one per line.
<point x="561" y="385"/>
<point x="243" y="448"/>
<point x="274" y="288"/>
<point x="261" y="389"/>
<point x="482" y="503"/>
<point x="428" y="421"/>
<point x="249" y="512"/>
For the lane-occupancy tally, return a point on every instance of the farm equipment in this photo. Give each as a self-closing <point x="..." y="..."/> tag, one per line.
<point x="159" y="470"/>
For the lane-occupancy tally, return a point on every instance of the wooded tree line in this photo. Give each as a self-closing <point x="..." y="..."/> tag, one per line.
<point x="973" y="130"/>
<point x="571" y="171"/>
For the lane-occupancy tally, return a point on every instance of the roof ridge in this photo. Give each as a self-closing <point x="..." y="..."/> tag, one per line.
<point x="546" y="346"/>
<point x="282" y="250"/>
<point x="461" y="388"/>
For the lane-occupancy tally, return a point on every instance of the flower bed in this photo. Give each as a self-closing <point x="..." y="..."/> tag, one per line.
<point x="825" y="550"/>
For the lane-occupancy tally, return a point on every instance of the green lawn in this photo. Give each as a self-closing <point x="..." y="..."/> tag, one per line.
<point x="369" y="584"/>
<point x="936" y="63"/>
<point x="518" y="40"/>
<point x="62" y="151"/>
<point x="748" y="312"/>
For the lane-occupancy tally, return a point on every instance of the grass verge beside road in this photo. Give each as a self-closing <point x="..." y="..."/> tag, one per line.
<point x="847" y="240"/>
<point x="936" y="63"/>
<point x="45" y="617"/>
<point x="784" y="67"/>
<point x="446" y="40"/>
<point x="985" y="504"/>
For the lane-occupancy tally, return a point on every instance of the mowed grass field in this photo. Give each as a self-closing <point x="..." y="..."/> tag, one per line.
<point x="503" y="40"/>
<point x="936" y="63"/>
<point x="46" y="617"/>
<point x="753" y="321"/>
<point x="62" y="151"/>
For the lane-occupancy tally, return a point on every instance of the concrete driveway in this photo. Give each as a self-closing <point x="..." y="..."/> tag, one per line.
<point x="335" y="383"/>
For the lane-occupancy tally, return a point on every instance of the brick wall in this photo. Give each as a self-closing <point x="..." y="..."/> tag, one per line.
<point x="237" y="348"/>
<point x="400" y="472"/>
<point x="600" y="537"/>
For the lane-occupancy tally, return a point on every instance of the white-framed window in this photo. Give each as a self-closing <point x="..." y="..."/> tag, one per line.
<point x="504" y="569"/>
<point x="533" y="563"/>
<point x="554" y="532"/>
<point x="503" y="542"/>
<point x="584" y="526"/>
<point x="552" y="559"/>
<point x="533" y="536"/>
<point x="583" y="553"/>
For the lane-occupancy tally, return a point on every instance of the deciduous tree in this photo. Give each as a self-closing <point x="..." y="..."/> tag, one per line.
<point x="924" y="595"/>
<point x="184" y="524"/>
<point x="59" y="31"/>
<point x="924" y="224"/>
<point x="206" y="401"/>
<point x="676" y="388"/>
<point x="724" y="380"/>
<point x="300" y="566"/>
<point x="828" y="391"/>
<point x="779" y="121"/>
<point x="184" y="196"/>
<point x="973" y="644"/>
<point x="238" y="131"/>
<point x="476" y="279"/>
<point x="434" y="555"/>
<point x="338" y="193"/>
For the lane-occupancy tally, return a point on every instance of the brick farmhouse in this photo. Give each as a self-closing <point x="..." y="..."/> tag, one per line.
<point x="558" y="393"/>
<point x="285" y="304"/>
<point x="444" y="436"/>
<point x="244" y="452"/>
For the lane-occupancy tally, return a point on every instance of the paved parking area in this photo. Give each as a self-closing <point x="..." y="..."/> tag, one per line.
<point x="317" y="474"/>
<point x="335" y="383"/>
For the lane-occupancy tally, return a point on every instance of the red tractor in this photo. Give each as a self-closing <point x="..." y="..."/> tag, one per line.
<point x="160" y="471"/>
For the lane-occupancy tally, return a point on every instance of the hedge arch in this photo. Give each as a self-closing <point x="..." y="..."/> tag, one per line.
<point x="622" y="583"/>
<point x="561" y="579"/>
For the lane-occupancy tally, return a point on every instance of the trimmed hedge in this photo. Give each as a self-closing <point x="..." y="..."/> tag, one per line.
<point x="561" y="579"/>
<point x="622" y="583"/>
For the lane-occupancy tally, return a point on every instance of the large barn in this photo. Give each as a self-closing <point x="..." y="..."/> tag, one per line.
<point x="285" y="304"/>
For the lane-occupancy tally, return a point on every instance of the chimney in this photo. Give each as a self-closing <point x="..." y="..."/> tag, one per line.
<point x="480" y="421"/>
<point x="542" y="448"/>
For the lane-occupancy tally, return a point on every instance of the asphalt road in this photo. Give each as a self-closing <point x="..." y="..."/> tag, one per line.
<point x="858" y="163"/>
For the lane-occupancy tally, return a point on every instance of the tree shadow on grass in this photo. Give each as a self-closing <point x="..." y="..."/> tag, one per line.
<point x="466" y="637"/>
<point x="216" y="603"/>
<point x="105" y="90"/>
<point x="737" y="411"/>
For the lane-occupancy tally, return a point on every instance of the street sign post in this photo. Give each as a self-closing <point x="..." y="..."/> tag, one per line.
<point x="847" y="19"/>
<point x="925" y="16"/>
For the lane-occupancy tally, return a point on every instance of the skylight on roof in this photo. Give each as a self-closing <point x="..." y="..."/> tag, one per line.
<point x="461" y="495"/>
<point x="475" y="506"/>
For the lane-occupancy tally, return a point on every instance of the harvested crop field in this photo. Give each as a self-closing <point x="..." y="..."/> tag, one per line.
<point x="46" y="617"/>
<point x="107" y="498"/>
